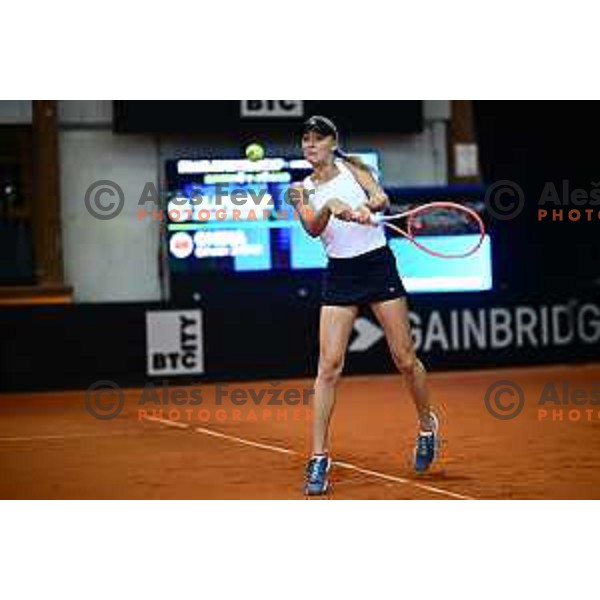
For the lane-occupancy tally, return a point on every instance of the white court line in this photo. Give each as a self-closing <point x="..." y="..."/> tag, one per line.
<point x="343" y="465"/>
<point x="243" y="441"/>
<point x="221" y="435"/>
<point x="32" y="438"/>
<point x="167" y="422"/>
<point x="429" y="488"/>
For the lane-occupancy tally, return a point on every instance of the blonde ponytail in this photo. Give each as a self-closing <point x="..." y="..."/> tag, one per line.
<point x="353" y="160"/>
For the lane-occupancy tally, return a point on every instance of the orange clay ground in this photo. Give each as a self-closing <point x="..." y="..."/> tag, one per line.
<point x="51" y="447"/>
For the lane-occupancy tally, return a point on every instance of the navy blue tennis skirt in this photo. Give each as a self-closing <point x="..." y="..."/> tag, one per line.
<point x="363" y="279"/>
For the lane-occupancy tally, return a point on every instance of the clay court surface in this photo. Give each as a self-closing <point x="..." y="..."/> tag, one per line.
<point x="51" y="447"/>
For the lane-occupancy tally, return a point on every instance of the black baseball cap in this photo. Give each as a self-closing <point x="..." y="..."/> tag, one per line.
<point x="321" y="125"/>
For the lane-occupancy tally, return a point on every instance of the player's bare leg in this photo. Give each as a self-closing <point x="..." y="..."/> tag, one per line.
<point x="393" y="317"/>
<point x="335" y="329"/>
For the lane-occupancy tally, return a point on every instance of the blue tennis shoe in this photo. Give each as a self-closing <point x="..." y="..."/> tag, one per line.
<point x="427" y="446"/>
<point x="316" y="475"/>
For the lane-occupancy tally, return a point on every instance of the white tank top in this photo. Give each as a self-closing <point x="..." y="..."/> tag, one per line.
<point x="342" y="239"/>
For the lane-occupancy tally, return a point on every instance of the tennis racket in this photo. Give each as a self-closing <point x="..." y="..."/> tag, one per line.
<point x="442" y="229"/>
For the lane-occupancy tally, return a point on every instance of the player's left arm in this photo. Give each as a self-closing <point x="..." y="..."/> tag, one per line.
<point x="378" y="199"/>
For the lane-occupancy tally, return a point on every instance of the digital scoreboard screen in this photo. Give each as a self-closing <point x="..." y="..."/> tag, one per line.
<point x="232" y="216"/>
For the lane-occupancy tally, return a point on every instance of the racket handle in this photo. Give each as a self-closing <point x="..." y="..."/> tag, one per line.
<point x="376" y="219"/>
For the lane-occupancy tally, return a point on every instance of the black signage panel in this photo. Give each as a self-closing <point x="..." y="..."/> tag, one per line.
<point x="264" y="116"/>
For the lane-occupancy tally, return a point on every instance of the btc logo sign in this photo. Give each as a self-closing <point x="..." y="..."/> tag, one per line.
<point x="175" y="344"/>
<point x="272" y="108"/>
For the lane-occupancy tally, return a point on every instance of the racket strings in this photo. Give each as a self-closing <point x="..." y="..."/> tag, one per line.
<point x="437" y="219"/>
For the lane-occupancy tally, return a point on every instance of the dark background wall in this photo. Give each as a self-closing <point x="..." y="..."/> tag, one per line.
<point x="532" y="143"/>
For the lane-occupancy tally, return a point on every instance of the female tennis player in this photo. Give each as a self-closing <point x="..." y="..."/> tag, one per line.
<point x="338" y="200"/>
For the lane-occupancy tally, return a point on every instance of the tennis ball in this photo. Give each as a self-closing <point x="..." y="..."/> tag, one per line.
<point x="255" y="152"/>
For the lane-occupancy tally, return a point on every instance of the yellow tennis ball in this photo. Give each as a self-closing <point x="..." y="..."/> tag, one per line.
<point x="255" y="152"/>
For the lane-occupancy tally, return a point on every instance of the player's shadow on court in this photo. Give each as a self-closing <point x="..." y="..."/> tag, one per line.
<point x="441" y="475"/>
